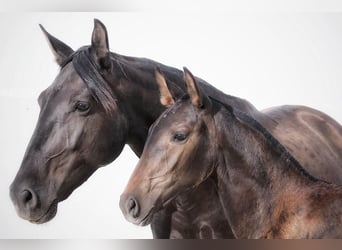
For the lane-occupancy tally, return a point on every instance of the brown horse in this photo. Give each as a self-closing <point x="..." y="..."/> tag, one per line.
<point x="101" y="101"/>
<point x="264" y="191"/>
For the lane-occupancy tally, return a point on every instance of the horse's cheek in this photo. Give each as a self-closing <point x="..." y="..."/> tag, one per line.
<point x="75" y="131"/>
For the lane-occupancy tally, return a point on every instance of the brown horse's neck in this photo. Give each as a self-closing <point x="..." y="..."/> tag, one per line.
<point x="253" y="172"/>
<point x="138" y="91"/>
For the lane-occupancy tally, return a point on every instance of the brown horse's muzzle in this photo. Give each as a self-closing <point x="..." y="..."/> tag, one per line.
<point x="133" y="210"/>
<point x="130" y="208"/>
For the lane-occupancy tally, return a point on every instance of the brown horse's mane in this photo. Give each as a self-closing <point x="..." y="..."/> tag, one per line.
<point x="276" y="145"/>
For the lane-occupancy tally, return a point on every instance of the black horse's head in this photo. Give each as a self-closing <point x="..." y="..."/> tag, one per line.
<point x="80" y="128"/>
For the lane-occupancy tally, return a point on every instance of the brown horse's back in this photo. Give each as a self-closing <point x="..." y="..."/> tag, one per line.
<point x="312" y="137"/>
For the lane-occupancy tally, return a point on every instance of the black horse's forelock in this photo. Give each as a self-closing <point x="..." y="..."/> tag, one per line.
<point x="87" y="70"/>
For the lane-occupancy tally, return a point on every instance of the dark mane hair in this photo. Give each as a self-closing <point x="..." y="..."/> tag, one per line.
<point x="277" y="146"/>
<point x="89" y="73"/>
<point x="133" y="68"/>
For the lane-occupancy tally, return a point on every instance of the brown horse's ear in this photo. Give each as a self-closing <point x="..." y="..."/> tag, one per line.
<point x="165" y="95"/>
<point x="192" y="88"/>
<point x="60" y="50"/>
<point x="100" y="44"/>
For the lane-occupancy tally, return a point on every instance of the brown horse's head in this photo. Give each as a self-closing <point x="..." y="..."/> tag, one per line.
<point x="176" y="155"/>
<point x="80" y="128"/>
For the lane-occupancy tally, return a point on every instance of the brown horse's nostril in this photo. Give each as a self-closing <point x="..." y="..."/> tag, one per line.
<point x="132" y="207"/>
<point x="28" y="198"/>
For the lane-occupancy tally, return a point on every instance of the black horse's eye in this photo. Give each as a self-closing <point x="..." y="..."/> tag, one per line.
<point x="82" y="106"/>
<point x="179" y="136"/>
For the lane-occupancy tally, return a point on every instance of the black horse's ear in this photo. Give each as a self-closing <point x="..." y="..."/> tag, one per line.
<point x="192" y="89"/>
<point x="60" y="50"/>
<point x="100" y="44"/>
<point x="166" y="98"/>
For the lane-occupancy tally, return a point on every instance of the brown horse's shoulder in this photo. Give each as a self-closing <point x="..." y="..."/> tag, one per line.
<point x="321" y="216"/>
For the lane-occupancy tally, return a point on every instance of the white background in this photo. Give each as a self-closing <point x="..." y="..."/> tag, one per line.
<point x="268" y="58"/>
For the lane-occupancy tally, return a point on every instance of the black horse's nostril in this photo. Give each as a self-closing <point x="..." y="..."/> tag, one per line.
<point x="132" y="207"/>
<point x="28" y="198"/>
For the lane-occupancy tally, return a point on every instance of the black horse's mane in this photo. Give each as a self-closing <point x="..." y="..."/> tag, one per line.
<point x="134" y="69"/>
<point x="251" y="122"/>
<point x="140" y="70"/>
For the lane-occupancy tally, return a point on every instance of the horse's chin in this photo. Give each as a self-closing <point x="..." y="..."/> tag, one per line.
<point x="147" y="219"/>
<point x="48" y="215"/>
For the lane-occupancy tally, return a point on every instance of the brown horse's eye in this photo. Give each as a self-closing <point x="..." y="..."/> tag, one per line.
<point x="82" y="106"/>
<point x="179" y="136"/>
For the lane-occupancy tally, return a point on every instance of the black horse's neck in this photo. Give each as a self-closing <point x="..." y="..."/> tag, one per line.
<point x="138" y="89"/>
<point x="254" y="171"/>
<point x="133" y="68"/>
<point x="133" y="82"/>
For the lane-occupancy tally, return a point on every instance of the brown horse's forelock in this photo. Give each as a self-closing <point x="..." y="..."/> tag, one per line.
<point x="86" y="69"/>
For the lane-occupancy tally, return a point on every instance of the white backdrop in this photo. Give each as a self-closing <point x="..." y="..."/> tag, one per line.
<point x="267" y="58"/>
